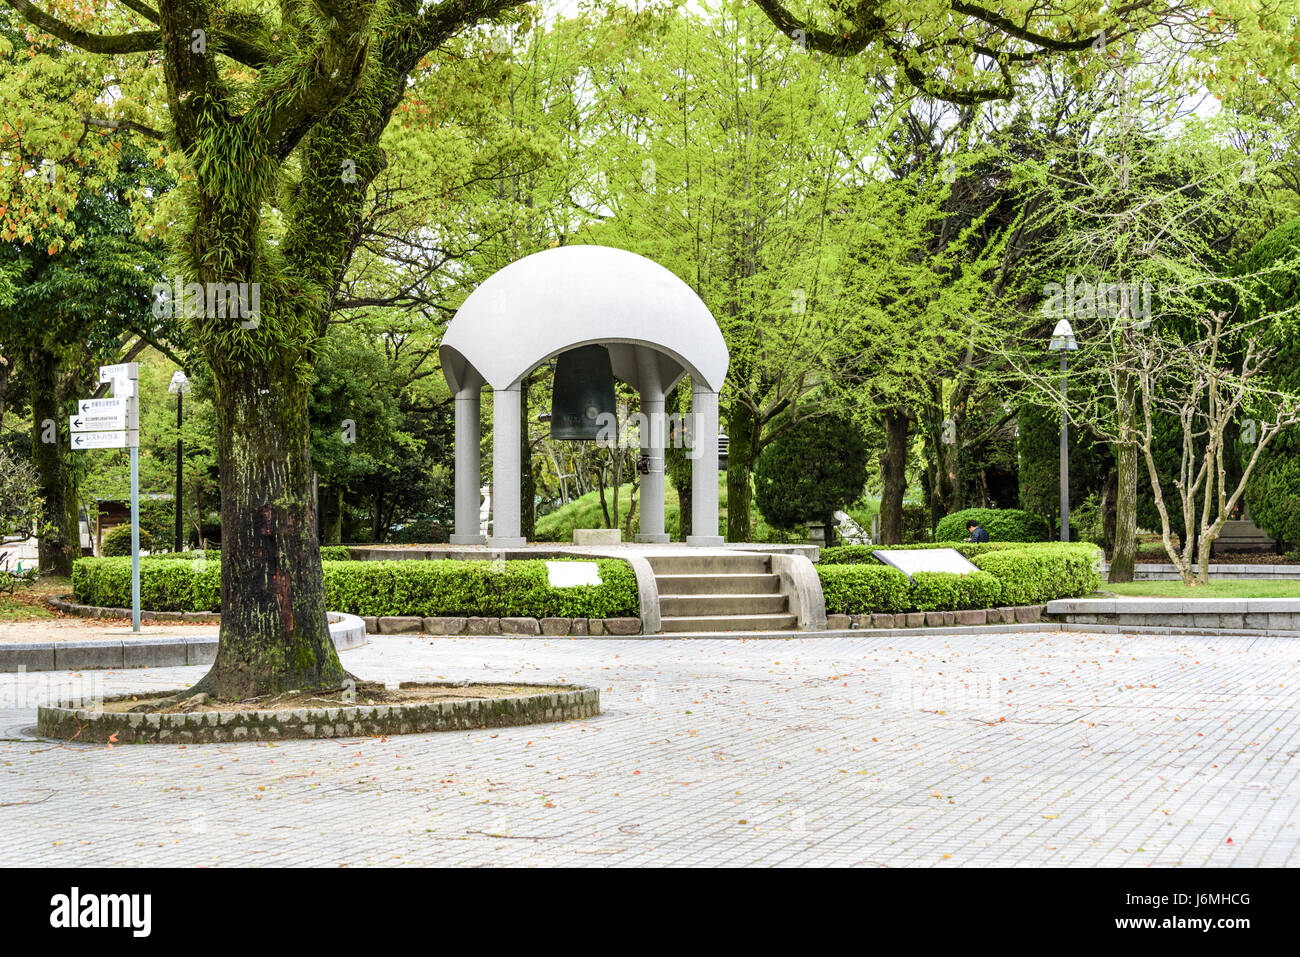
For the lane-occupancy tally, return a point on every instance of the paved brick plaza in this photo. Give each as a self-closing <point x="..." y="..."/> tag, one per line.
<point x="1025" y="749"/>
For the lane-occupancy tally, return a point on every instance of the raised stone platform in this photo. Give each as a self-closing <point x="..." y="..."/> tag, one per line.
<point x="1265" y="615"/>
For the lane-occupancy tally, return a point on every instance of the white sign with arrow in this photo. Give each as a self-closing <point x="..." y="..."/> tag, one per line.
<point x="117" y="439"/>
<point x="115" y="424"/>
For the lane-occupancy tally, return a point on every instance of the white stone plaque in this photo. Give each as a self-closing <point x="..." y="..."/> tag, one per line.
<point x="570" y="574"/>
<point x="909" y="560"/>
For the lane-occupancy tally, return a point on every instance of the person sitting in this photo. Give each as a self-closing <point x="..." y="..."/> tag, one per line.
<point x="977" y="532"/>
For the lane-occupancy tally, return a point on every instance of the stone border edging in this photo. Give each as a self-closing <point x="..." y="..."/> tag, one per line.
<point x="970" y="617"/>
<point x="348" y="632"/>
<point x="66" y="721"/>
<point x="68" y="607"/>
<point x="450" y="626"/>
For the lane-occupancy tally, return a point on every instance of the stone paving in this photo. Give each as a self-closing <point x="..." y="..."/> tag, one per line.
<point x="1008" y="749"/>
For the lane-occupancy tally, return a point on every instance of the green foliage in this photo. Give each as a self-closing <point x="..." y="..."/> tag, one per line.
<point x="335" y="553"/>
<point x="857" y="589"/>
<point x="1011" y="573"/>
<point x="440" y="587"/>
<point x="948" y="591"/>
<point x="117" y="541"/>
<point x="19" y="504"/>
<point x="1002" y="524"/>
<point x="1273" y="498"/>
<point x="813" y="468"/>
<point x="1031" y="576"/>
<point x="166" y="584"/>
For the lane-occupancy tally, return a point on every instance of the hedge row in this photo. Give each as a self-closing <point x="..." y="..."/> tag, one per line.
<point x="1002" y="524"/>
<point x="1011" y="573"/>
<point x="428" y="588"/>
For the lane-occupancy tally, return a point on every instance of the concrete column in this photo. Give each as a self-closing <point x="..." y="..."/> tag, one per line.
<point x="652" y="447"/>
<point x="505" y="468"/>
<point x="704" y="467"/>
<point x="468" y="467"/>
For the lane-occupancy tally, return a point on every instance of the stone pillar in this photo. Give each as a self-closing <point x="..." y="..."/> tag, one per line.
<point x="468" y="467"/>
<point x="652" y="447"/>
<point x="505" y="468"/>
<point x="704" y="467"/>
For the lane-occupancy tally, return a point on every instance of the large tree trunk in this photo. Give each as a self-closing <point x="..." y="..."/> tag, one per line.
<point x="741" y="453"/>
<point x="59" y="534"/>
<point x="274" y="634"/>
<point x="893" y="476"/>
<point x="1126" y="493"/>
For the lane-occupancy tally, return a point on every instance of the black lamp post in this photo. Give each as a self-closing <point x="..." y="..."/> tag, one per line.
<point x="179" y="385"/>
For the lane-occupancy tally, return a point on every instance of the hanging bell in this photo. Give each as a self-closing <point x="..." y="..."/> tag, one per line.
<point x="583" y="392"/>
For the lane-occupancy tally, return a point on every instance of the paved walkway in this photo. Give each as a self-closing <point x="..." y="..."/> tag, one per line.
<point x="1025" y="749"/>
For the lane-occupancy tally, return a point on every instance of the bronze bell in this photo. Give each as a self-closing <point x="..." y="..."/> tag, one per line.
<point x="583" y="391"/>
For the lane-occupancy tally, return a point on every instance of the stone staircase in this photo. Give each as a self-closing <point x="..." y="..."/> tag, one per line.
<point x="712" y="592"/>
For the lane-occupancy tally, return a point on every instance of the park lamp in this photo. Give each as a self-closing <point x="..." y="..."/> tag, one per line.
<point x="1063" y="337"/>
<point x="180" y="384"/>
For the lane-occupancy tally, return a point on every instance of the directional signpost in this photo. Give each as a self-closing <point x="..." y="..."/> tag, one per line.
<point x="115" y="424"/>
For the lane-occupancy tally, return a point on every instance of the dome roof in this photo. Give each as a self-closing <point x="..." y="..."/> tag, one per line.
<point x="570" y="296"/>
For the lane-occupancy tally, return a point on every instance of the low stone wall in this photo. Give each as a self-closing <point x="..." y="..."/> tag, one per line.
<point x="69" y="721"/>
<point x="1217" y="614"/>
<point x="348" y="632"/>
<point x="519" y="627"/>
<point x="1166" y="572"/>
<point x="1018" y="614"/>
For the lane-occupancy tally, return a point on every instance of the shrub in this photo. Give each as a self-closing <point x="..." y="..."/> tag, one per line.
<point x="1011" y="573"/>
<point x="947" y="591"/>
<point x="1273" y="497"/>
<point x="117" y="541"/>
<point x="1031" y="576"/>
<point x="411" y="587"/>
<point x="166" y="584"/>
<point x="1002" y="524"/>
<point x="813" y="468"/>
<point x="335" y="553"/>
<point x="858" y="589"/>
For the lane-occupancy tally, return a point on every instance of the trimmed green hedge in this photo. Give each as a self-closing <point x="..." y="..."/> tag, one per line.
<point x="166" y="584"/>
<point x="1032" y="576"/>
<point x="855" y="589"/>
<point x="1011" y="573"/>
<point x="1002" y="524"/>
<point x="944" y="591"/>
<point x="510" y="589"/>
<point x="443" y="587"/>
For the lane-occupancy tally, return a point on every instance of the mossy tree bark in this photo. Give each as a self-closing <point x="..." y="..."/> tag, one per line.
<point x="301" y="138"/>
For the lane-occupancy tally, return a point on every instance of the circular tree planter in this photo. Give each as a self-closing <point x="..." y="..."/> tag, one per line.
<point x="413" y="708"/>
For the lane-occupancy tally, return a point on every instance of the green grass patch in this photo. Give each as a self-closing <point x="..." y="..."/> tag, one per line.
<point x="1220" y="588"/>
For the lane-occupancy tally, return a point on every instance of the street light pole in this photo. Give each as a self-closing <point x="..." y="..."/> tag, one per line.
<point x="180" y="385"/>
<point x="1063" y="341"/>
<point x="1065" y="456"/>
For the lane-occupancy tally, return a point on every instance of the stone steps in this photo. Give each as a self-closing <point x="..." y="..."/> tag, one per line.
<point x="726" y="623"/>
<point x="742" y="584"/>
<point x="695" y="606"/>
<point x="720" y="592"/>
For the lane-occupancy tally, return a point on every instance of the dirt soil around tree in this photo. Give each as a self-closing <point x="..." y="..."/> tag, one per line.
<point x="363" y="694"/>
